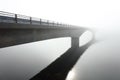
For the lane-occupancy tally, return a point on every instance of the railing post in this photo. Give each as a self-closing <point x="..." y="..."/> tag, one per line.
<point x="48" y="22"/>
<point x="40" y="21"/>
<point x="15" y="18"/>
<point x="30" y="20"/>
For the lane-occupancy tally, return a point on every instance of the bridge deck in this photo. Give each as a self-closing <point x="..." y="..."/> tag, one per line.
<point x="19" y="29"/>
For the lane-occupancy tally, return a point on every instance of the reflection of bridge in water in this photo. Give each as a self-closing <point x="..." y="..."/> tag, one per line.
<point x="18" y="29"/>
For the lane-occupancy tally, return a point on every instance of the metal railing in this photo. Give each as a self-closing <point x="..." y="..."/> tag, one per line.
<point x="6" y="17"/>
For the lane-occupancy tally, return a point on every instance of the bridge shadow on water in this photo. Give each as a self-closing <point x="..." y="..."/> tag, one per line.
<point x="59" y="68"/>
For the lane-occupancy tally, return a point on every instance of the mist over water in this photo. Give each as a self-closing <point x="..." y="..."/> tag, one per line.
<point x="24" y="61"/>
<point x="99" y="62"/>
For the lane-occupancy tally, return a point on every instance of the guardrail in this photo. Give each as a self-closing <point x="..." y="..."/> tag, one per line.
<point x="6" y="17"/>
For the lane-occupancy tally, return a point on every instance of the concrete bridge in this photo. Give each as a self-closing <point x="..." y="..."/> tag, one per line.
<point x="18" y="29"/>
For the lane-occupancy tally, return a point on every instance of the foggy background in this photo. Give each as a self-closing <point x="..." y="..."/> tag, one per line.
<point x="99" y="62"/>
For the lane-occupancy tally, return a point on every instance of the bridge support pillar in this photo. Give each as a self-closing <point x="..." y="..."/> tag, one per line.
<point x="74" y="41"/>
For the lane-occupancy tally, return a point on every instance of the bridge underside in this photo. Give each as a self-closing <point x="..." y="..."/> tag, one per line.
<point x="14" y="34"/>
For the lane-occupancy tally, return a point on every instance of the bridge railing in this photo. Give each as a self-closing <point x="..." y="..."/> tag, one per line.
<point x="6" y="17"/>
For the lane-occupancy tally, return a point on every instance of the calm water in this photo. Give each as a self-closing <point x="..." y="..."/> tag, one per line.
<point x="99" y="62"/>
<point x="24" y="61"/>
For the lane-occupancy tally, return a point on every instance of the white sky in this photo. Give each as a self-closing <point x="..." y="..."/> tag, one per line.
<point x="89" y="13"/>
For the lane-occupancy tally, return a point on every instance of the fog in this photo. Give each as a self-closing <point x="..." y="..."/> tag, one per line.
<point x="99" y="62"/>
